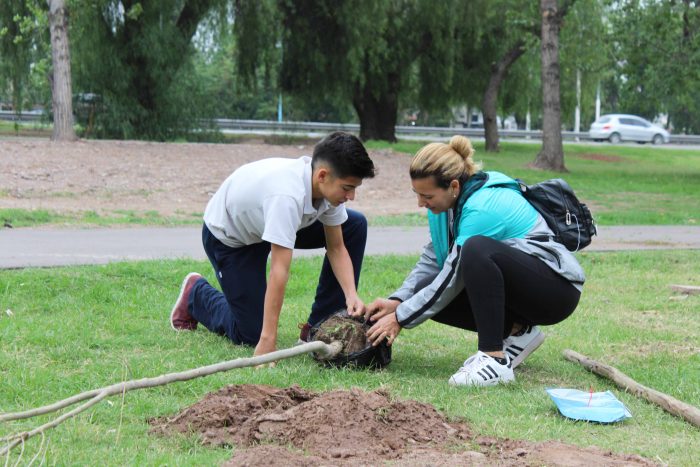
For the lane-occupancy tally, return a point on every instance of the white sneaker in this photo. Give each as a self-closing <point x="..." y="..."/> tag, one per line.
<point x="519" y="347"/>
<point x="482" y="370"/>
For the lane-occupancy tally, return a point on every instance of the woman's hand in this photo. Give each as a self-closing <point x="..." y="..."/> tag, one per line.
<point x="387" y="327"/>
<point x="380" y="308"/>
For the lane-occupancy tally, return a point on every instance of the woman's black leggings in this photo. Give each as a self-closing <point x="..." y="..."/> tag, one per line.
<point x="502" y="286"/>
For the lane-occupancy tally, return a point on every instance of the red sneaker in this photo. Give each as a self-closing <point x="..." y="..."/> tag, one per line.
<point x="304" y="332"/>
<point x="180" y="317"/>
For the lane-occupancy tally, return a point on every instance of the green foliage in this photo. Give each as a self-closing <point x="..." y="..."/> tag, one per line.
<point x="257" y="42"/>
<point x="225" y="46"/>
<point x="487" y="31"/>
<point x="215" y="70"/>
<point x="79" y="328"/>
<point x="24" y="47"/>
<point x="492" y="28"/>
<point x="137" y="61"/>
<point x="585" y="47"/>
<point x="522" y="89"/>
<point x="363" y="52"/>
<point x="657" y="60"/>
<point x="153" y="69"/>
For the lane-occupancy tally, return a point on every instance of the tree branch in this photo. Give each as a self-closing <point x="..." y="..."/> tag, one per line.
<point x="536" y="29"/>
<point x="190" y="16"/>
<point x="325" y="351"/>
<point x="21" y="437"/>
<point x="669" y="404"/>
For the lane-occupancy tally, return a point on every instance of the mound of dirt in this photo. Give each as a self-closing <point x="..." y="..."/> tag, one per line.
<point x="293" y="426"/>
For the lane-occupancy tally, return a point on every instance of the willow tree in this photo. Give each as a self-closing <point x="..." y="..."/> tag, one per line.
<point x="132" y="57"/>
<point x="657" y="68"/>
<point x="22" y="44"/>
<point x="365" y="51"/>
<point x="491" y="37"/>
<point x="586" y="45"/>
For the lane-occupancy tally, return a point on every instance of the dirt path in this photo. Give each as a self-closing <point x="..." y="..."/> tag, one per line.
<point x="173" y="179"/>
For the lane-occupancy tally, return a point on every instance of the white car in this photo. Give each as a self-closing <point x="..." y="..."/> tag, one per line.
<point x="621" y="127"/>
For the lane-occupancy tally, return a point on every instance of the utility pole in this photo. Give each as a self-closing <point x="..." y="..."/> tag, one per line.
<point x="577" y="116"/>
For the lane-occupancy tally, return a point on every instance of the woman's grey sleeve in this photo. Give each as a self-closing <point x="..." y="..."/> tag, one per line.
<point x="429" y="301"/>
<point x="425" y="267"/>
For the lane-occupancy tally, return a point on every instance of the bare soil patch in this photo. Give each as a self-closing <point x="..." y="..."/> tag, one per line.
<point x="600" y="157"/>
<point x="295" y="427"/>
<point x="172" y="179"/>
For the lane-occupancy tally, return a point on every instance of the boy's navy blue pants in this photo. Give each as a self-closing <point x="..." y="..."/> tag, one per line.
<point x="238" y="311"/>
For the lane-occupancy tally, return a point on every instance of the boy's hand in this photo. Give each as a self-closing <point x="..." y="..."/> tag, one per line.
<point x="265" y="346"/>
<point x="355" y="306"/>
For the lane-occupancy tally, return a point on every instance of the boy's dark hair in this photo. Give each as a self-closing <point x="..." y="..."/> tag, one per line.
<point x="345" y="155"/>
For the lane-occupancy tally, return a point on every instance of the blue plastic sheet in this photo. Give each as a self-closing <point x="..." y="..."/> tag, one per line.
<point x="602" y="407"/>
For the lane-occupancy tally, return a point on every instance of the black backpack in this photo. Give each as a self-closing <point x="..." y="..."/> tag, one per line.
<point x="570" y="220"/>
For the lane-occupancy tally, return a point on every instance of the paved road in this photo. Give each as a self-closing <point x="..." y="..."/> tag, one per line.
<point x="20" y="248"/>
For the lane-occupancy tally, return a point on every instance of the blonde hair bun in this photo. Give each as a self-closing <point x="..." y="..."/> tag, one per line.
<point x="462" y="145"/>
<point x="445" y="162"/>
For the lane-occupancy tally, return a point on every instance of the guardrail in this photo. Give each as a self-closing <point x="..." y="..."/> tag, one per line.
<point x="322" y="127"/>
<point x="23" y="117"/>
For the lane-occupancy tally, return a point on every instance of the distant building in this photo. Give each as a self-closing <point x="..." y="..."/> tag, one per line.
<point x="467" y="117"/>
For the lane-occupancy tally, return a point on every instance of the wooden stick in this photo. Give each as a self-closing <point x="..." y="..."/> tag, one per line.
<point x="671" y="405"/>
<point x="686" y="289"/>
<point x="21" y="437"/>
<point x="326" y="351"/>
<point x="50" y="408"/>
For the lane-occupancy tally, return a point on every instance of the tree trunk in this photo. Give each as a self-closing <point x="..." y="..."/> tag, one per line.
<point x="490" y="102"/>
<point x="551" y="156"/>
<point x="17" y="93"/>
<point x="377" y="114"/>
<point x="62" y="94"/>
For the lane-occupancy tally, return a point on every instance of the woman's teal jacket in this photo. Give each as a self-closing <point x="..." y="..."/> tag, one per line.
<point x="490" y="204"/>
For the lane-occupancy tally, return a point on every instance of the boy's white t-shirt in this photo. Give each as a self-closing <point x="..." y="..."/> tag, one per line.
<point x="267" y="200"/>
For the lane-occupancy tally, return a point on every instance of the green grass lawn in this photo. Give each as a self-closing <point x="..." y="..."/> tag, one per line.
<point x="33" y="129"/>
<point x="79" y="328"/>
<point x="34" y="217"/>
<point x="623" y="185"/>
